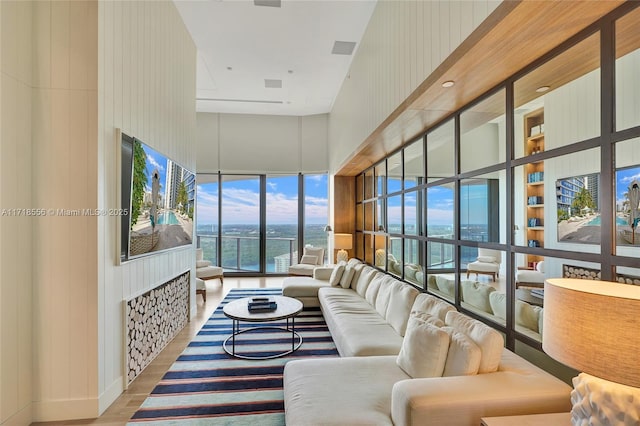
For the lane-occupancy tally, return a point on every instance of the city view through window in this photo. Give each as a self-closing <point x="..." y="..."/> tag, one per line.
<point x="238" y="198"/>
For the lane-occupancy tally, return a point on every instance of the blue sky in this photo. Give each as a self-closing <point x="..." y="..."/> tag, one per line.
<point x="624" y="177"/>
<point x="155" y="160"/>
<point x="241" y="200"/>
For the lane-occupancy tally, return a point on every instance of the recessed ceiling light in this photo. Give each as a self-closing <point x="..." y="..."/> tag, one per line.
<point x="290" y="71"/>
<point x="272" y="84"/>
<point x="229" y="68"/>
<point x="448" y="83"/>
<point x="542" y="89"/>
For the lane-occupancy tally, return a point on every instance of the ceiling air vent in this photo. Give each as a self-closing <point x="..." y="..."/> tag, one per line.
<point x="343" y="47"/>
<point x="269" y="3"/>
<point x="272" y="84"/>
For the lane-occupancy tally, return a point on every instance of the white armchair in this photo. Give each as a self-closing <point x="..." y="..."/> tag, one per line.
<point x="205" y="271"/>
<point x="488" y="263"/>
<point x="531" y="278"/>
<point x="311" y="258"/>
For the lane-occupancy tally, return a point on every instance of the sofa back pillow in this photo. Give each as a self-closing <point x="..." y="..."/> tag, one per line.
<point x="372" y="290"/>
<point x="527" y="315"/>
<point x="364" y="279"/>
<point x="431" y="319"/>
<point x="382" y="301"/>
<point x="498" y="302"/>
<point x="400" y="302"/>
<point x="318" y="252"/>
<point x="356" y="275"/>
<point x="463" y="357"/>
<point x="308" y="259"/>
<point x="432" y="305"/>
<point x="477" y="295"/>
<point x="347" y="275"/>
<point x="336" y="274"/>
<point x="424" y="350"/>
<point x="491" y="342"/>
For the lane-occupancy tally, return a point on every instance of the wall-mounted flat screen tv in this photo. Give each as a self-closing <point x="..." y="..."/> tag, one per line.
<point x="578" y="205"/>
<point x="160" y="196"/>
<point x="628" y="206"/>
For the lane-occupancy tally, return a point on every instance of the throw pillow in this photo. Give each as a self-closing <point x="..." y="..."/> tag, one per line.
<point x="486" y="259"/>
<point x="307" y="259"/>
<point x="424" y="350"/>
<point x="491" y="342"/>
<point x="463" y="357"/>
<point x="202" y="263"/>
<point x="336" y="274"/>
<point x="347" y="276"/>
<point x="477" y="295"/>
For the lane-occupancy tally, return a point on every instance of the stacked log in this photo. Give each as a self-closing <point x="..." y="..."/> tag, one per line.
<point x="153" y="319"/>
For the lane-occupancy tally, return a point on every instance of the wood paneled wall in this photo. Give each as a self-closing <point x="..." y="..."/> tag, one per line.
<point x="344" y="212"/>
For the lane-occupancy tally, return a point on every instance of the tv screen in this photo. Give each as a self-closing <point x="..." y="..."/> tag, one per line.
<point x="578" y="205"/>
<point x="160" y="196"/>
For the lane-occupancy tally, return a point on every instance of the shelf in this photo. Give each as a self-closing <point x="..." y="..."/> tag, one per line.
<point x="535" y="206"/>
<point x="536" y="137"/>
<point x="535" y="228"/>
<point x="535" y="183"/>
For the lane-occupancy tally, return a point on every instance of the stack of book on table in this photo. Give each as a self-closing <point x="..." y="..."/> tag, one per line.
<point x="262" y="304"/>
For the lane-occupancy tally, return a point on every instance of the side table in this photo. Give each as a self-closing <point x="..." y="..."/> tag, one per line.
<point x="555" y="419"/>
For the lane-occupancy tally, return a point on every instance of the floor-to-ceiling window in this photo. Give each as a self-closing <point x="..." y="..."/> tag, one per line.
<point x="536" y="179"/>
<point x="258" y="224"/>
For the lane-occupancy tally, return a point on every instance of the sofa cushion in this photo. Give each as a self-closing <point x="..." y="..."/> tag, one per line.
<point x="463" y="357"/>
<point x="400" y="303"/>
<point x="340" y="391"/>
<point x="432" y="305"/>
<point x="384" y="294"/>
<point x="373" y="288"/>
<point x="366" y="275"/>
<point x="428" y="318"/>
<point x="358" y="267"/>
<point x="424" y="349"/>
<point x="301" y="269"/>
<point x="308" y="259"/>
<point x="446" y="284"/>
<point x="477" y="295"/>
<point x="338" y="271"/>
<point x="486" y="259"/>
<point x="202" y="263"/>
<point x="356" y="327"/>
<point x="527" y="315"/>
<point x="347" y="275"/>
<point x="489" y="340"/>
<point x="498" y="302"/>
<point x="318" y="252"/>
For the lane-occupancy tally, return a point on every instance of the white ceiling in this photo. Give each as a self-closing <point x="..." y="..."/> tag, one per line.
<point x="291" y="43"/>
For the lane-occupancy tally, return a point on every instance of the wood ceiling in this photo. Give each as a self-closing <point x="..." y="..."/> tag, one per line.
<point x="513" y="36"/>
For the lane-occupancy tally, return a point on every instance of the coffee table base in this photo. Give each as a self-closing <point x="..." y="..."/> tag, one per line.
<point x="237" y="331"/>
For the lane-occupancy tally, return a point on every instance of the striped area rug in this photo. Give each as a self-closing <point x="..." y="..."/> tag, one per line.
<point x="206" y="386"/>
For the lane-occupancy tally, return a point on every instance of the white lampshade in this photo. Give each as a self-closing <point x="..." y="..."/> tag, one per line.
<point x="594" y="327"/>
<point x="342" y="242"/>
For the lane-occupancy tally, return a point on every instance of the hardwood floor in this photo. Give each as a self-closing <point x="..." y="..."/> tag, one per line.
<point x="126" y="405"/>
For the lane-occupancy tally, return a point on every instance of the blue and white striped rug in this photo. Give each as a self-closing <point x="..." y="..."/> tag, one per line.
<point x="207" y="386"/>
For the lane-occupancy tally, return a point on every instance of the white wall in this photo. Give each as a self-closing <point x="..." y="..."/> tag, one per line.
<point x="238" y="143"/>
<point x="147" y="71"/>
<point x="404" y="43"/>
<point x="16" y="278"/>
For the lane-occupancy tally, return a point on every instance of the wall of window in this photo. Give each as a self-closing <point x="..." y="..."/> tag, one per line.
<point x="259" y="224"/>
<point x="533" y="180"/>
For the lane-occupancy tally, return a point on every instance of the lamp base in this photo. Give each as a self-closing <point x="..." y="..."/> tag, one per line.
<point x="342" y="255"/>
<point x="598" y="402"/>
<point x="381" y="255"/>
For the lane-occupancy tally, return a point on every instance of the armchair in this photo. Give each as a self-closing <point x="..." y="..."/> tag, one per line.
<point x="205" y="271"/>
<point x="488" y="263"/>
<point x="531" y="278"/>
<point x="312" y="257"/>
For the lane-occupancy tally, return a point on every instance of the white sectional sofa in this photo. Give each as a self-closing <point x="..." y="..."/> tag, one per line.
<point x="378" y="324"/>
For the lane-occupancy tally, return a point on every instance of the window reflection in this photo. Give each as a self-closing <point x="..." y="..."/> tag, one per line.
<point x="483" y="286"/>
<point x="627" y="193"/>
<point x="413" y="165"/>
<point x="481" y="208"/>
<point x="440" y="152"/>
<point x="440" y="266"/>
<point x="380" y="172"/>
<point x="412" y="261"/>
<point x="482" y="128"/>
<point x="627" y="69"/>
<point x="394" y="173"/>
<point x="440" y="217"/>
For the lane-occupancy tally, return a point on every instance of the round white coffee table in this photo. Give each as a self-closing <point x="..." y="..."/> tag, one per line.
<point x="238" y="310"/>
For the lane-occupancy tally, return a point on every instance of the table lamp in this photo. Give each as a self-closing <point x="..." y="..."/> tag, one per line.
<point x="342" y="242"/>
<point x="594" y="327"/>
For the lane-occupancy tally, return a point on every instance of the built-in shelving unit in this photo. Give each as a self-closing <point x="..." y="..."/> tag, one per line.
<point x="534" y="181"/>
